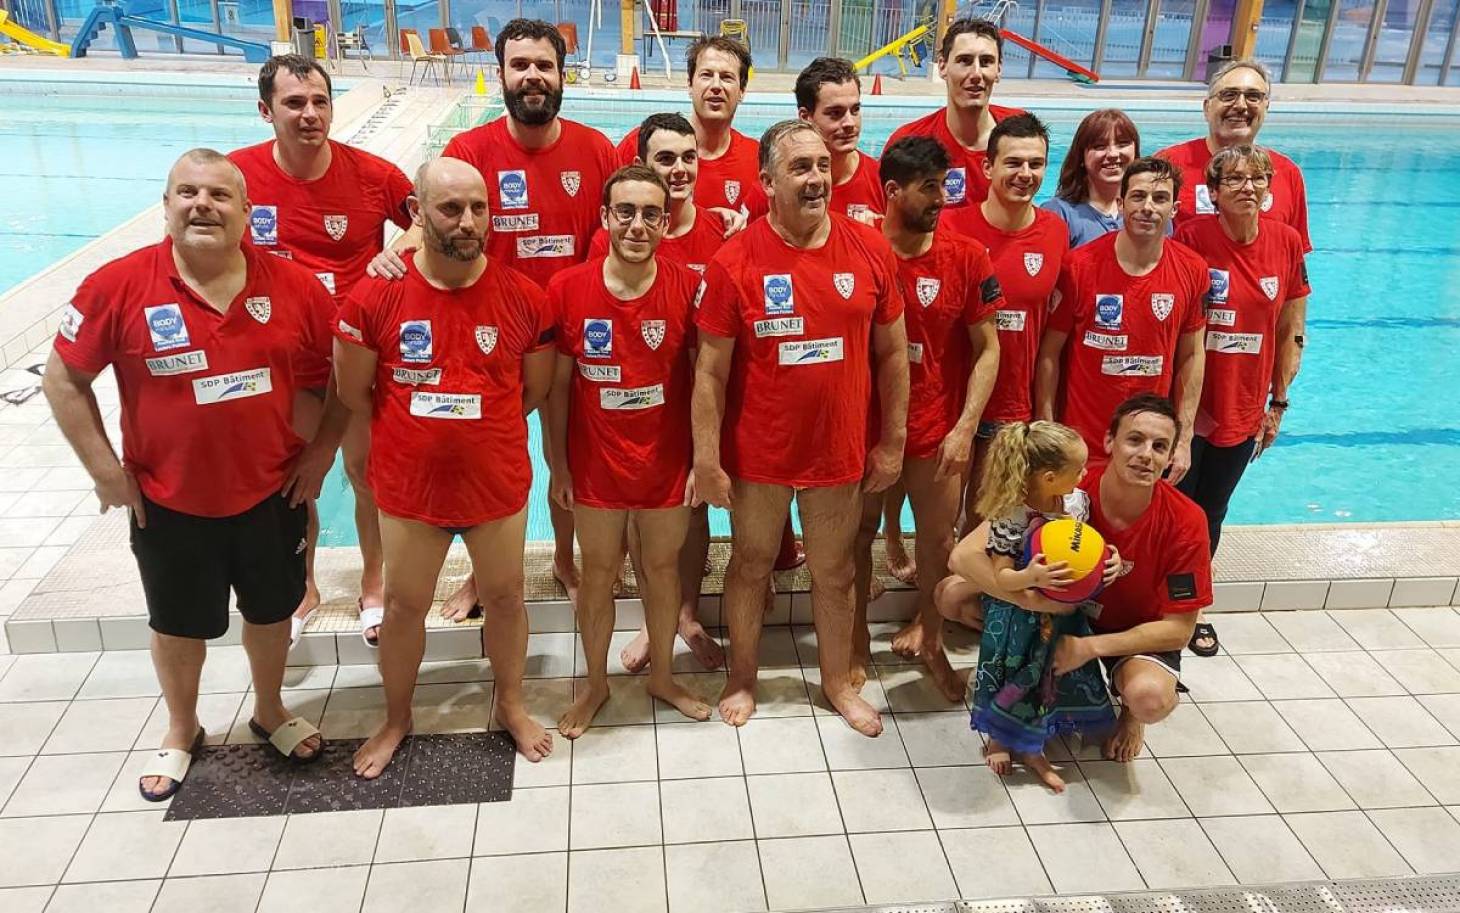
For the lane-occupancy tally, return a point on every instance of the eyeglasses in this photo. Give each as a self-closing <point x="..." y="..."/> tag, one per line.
<point x="624" y="214"/>
<point x="1234" y="181"/>
<point x="1228" y="96"/>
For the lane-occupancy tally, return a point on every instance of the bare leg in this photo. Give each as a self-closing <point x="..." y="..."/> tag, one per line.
<point x="308" y="409"/>
<point x="899" y="564"/>
<point x="958" y="600"/>
<point x="496" y="556"/>
<point x="755" y="528"/>
<point x="866" y="589"/>
<point x="935" y="507"/>
<point x="1147" y="695"/>
<point x="663" y="540"/>
<point x="267" y="647"/>
<point x="829" y="517"/>
<point x="601" y="537"/>
<point x="179" y="665"/>
<point x="414" y="554"/>
<point x="971" y="519"/>
<point x="367" y="517"/>
<point x="563" y="567"/>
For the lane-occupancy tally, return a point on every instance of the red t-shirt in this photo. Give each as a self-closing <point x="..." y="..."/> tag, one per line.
<point x="448" y="437"/>
<point x="1250" y="284"/>
<point x="1122" y="329"/>
<point x="333" y="225"/>
<point x="629" y="440"/>
<point x="1287" y="200"/>
<point x="694" y="248"/>
<point x="544" y="202"/>
<point x="207" y="398"/>
<point x="1028" y="264"/>
<point x="945" y="291"/>
<point x="1166" y="564"/>
<point x="862" y="192"/>
<point x="965" y="182"/>
<point x="731" y="181"/>
<point x="800" y="381"/>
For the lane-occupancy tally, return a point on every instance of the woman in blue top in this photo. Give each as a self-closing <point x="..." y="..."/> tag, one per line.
<point x="1087" y="197"/>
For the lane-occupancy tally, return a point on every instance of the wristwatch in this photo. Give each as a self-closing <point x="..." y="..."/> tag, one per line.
<point x="1275" y="403"/>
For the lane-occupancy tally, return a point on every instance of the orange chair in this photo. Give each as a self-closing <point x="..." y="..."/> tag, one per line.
<point x="441" y="46"/>
<point x="481" y="41"/>
<point x="569" y="31"/>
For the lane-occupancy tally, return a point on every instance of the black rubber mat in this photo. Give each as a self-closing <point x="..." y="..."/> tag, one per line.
<point x="237" y="781"/>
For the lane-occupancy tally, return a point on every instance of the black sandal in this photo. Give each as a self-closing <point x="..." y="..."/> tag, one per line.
<point x="1204" y="631"/>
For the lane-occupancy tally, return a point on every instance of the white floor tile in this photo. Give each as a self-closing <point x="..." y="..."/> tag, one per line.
<point x="628" y="704"/>
<point x="615" y="754"/>
<point x="215" y="893"/>
<point x="706" y="686"/>
<point x="26" y="900"/>
<point x="1261" y="849"/>
<point x="124" y="673"/>
<point x="880" y="800"/>
<point x="1249" y="633"/>
<point x="335" y="890"/>
<point x="775" y="746"/>
<point x="1085" y="858"/>
<point x="910" y="691"/>
<point x="427" y="832"/>
<point x="1310" y="632"/>
<point x="1036" y="804"/>
<point x="126" y="845"/>
<point x="1216" y="679"/>
<point x="547" y="699"/>
<point x="110" y="725"/>
<point x="1173" y="854"/>
<point x="438" y="884"/>
<point x="513" y="884"/>
<point x="624" y="881"/>
<point x="1185" y="733"/>
<point x="216" y="712"/>
<point x="64" y="785"/>
<point x="329" y="839"/>
<point x="534" y="821"/>
<point x="28" y="725"/>
<point x="1375" y="779"/>
<point x="614" y="815"/>
<point x="1377" y="629"/>
<point x="1215" y="786"/>
<point x="1327" y="725"/>
<point x="714" y="878"/>
<point x="1420" y="671"/>
<point x="781" y="692"/>
<point x="848" y="749"/>
<point x="227" y="846"/>
<point x="12" y="770"/>
<point x="1436" y="769"/>
<point x="1445" y="708"/>
<point x="111" y="896"/>
<point x="1438" y="627"/>
<point x="1427" y="838"/>
<point x="1251" y="727"/>
<point x="1019" y="871"/>
<point x="1400" y="722"/>
<point x="1347" y="845"/>
<point x="1354" y="674"/>
<point x="785" y="863"/>
<point x="1296" y="783"/>
<point x="1135" y="790"/>
<point x="46" y="676"/>
<point x="901" y="867"/>
<point x="37" y="850"/>
<point x="966" y="797"/>
<point x="939" y="739"/>
<point x="697" y="810"/>
<point x="697" y="750"/>
<point x="1283" y="676"/>
<point x="794" y="805"/>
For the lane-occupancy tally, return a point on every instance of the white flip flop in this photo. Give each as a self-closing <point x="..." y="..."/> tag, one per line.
<point x="172" y="763"/>
<point x="372" y="617"/>
<point x="297" y="626"/>
<point x="289" y="737"/>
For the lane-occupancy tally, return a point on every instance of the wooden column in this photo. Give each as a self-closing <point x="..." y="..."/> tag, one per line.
<point x="1244" y="28"/>
<point x="626" y="27"/>
<point x="283" y="20"/>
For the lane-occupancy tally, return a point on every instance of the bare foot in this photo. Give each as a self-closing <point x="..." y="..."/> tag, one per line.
<point x="458" y="606"/>
<point x="635" y="654"/>
<point x="672" y="693"/>
<point x="943" y="674"/>
<point x="909" y="641"/>
<point x="568" y="577"/>
<point x="372" y="758"/>
<point x="1126" y="742"/>
<point x="533" y="742"/>
<point x="996" y="756"/>
<point x="706" y="651"/>
<point x="180" y="739"/>
<point x="310" y="602"/>
<point x="580" y="716"/>
<point x="899" y="563"/>
<point x="1039" y="765"/>
<point x="737" y="703"/>
<point x="859" y="714"/>
<point x="875" y="589"/>
<point x="857" y="674"/>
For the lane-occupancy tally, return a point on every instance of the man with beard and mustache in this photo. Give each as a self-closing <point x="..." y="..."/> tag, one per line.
<point x="448" y="361"/>
<point x="970" y="60"/>
<point x="325" y="206"/>
<point x="950" y="295"/>
<point x="544" y="176"/>
<point x="800" y="312"/>
<point x="829" y="97"/>
<point x="1131" y="307"/>
<point x="1235" y="109"/>
<point x="202" y="333"/>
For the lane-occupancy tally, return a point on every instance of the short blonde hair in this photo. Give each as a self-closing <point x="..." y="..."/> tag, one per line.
<point x="1254" y="157"/>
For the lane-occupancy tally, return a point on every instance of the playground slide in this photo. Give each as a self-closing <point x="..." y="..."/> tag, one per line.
<point x="1076" y="71"/>
<point x="905" y="49"/>
<point x="26" y="38"/>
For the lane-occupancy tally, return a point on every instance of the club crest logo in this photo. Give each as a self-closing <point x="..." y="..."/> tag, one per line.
<point x="653" y="332"/>
<point x="259" y="309"/>
<point x="337" y="226"/>
<point x="1162" y="305"/>
<point x="572" y="180"/>
<point x="1033" y="263"/>
<point x="928" y="290"/>
<point x="844" y="283"/>
<point x="486" y="339"/>
<point x="732" y="191"/>
<point x="1269" y="286"/>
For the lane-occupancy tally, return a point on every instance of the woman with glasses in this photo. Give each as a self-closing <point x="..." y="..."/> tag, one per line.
<point x="1088" y="196"/>
<point x="1255" y="311"/>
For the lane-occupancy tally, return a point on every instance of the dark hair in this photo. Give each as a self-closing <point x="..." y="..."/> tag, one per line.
<point x="674" y="123"/>
<point x="1074" y="183"/>
<point x="295" y="64"/>
<point x="1020" y="126"/>
<point x="718" y="43"/>
<point x="636" y="172"/>
<point x="968" y="26"/>
<point x="1150" y="164"/>
<point x="530" y="30"/>
<point x="1144" y="402"/>
<point x="818" y="73"/>
<point x="912" y="158"/>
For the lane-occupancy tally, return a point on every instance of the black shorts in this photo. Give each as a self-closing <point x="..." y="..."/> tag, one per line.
<point x="190" y="563"/>
<point x="1170" y="661"/>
